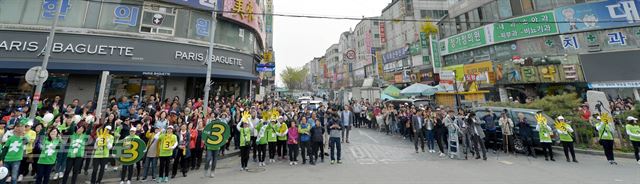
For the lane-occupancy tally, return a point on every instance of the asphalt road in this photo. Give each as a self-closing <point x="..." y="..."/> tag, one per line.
<point x="372" y="157"/>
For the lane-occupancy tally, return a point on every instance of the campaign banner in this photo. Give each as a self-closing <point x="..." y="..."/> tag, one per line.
<point x="598" y="15"/>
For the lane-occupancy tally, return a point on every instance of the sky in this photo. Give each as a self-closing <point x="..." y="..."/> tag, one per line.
<point x="297" y="41"/>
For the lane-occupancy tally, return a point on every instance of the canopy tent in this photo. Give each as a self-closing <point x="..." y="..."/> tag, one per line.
<point x="419" y="89"/>
<point x="384" y="96"/>
<point x="391" y="91"/>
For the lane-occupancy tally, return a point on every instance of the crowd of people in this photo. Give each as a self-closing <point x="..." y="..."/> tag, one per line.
<point x="443" y="126"/>
<point x="66" y="139"/>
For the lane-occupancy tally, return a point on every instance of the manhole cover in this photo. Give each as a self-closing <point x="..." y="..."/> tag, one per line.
<point x="256" y="170"/>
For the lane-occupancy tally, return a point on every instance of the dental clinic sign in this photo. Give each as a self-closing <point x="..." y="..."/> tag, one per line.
<point x="76" y="48"/>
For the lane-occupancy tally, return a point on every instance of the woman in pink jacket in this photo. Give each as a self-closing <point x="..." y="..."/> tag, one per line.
<point x="292" y="142"/>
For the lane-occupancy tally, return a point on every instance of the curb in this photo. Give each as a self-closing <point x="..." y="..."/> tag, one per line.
<point x="597" y="152"/>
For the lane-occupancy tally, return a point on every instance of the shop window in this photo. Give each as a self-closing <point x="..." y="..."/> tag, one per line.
<point x="129" y="86"/>
<point x="527" y="6"/>
<point x="516" y="7"/>
<point x="541" y="5"/>
<point x="158" y="19"/>
<point x="183" y="23"/>
<point x="120" y="17"/>
<point x="199" y="25"/>
<point x="14" y="87"/>
<point x="92" y="19"/>
<point x="560" y="3"/>
<point x="504" y="9"/>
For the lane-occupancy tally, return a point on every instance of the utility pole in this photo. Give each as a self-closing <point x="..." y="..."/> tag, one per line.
<point x="207" y="85"/>
<point x="45" y="62"/>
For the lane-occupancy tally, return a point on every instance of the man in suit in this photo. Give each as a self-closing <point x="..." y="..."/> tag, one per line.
<point x="347" y="117"/>
<point x="417" y="125"/>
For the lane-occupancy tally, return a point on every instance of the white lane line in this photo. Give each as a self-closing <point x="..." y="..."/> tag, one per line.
<point x="367" y="135"/>
<point x="506" y="162"/>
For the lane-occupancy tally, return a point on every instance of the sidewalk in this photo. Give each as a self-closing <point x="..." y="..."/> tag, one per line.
<point x="597" y="152"/>
<point x="111" y="176"/>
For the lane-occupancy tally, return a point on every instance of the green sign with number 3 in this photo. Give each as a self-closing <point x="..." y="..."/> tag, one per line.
<point x="216" y="134"/>
<point x="130" y="150"/>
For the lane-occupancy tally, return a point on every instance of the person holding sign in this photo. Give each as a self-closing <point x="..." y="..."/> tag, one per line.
<point x="104" y="142"/>
<point x="215" y="135"/>
<point x="127" y="170"/>
<point x="168" y="142"/>
<point x="606" y="128"/>
<point x="245" y="127"/>
<point x="75" y="154"/>
<point x="262" y="139"/>
<point x="544" y="131"/>
<point x="566" y="132"/>
<point x="49" y="146"/>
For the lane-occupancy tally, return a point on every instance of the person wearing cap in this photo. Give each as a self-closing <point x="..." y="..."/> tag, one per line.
<point x="633" y="130"/>
<point x="75" y="154"/>
<point x="544" y="133"/>
<point x="31" y="136"/>
<point x="103" y="143"/>
<point x="281" y="131"/>
<point x="168" y="142"/>
<point x="272" y="139"/>
<point x="506" y="125"/>
<point x="606" y="128"/>
<point x="565" y="132"/>
<point x="15" y="142"/>
<point x="127" y="170"/>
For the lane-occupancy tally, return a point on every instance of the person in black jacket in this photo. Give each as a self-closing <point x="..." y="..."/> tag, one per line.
<point x="525" y="134"/>
<point x="317" y="139"/>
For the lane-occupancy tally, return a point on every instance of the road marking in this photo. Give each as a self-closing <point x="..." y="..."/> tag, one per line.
<point x="506" y="162"/>
<point x="367" y="135"/>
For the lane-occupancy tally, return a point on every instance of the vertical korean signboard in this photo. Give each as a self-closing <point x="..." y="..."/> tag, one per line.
<point x="435" y="55"/>
<point x="383" y="36"/>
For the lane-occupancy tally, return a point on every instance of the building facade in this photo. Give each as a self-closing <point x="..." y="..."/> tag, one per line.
<point x="148" y="47"/>
<point x="557" y="46"/>
<point x="367" y="42"/>
<point x="404" y="59"/>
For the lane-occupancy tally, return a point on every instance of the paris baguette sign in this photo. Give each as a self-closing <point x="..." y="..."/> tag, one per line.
<point x="30" y="46"/>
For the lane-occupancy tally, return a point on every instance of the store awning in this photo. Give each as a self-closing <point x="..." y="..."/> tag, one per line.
<point x="391" y="91"/>
<point x="83" y="68"/>
<point x="419" y="89"/>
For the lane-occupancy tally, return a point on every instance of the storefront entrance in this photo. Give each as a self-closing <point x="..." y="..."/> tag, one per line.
<point x="131" y="85"/>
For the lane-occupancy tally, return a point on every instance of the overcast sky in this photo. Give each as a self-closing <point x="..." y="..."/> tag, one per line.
<point x="298" y="40"/>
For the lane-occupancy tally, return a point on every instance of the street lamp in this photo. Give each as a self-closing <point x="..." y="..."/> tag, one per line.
<point x="207" y="86"/>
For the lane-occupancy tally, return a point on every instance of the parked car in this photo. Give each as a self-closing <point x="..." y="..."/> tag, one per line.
<point x="530" y="116"/>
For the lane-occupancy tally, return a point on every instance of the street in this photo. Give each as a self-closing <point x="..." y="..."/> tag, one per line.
<point x="372" y="157"/>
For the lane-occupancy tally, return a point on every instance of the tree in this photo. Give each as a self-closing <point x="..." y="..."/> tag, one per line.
<point x="293" y="78"/>
<point x="428" y="27"/>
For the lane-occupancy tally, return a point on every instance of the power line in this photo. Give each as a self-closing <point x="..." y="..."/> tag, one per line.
<point x="373" y="18"/>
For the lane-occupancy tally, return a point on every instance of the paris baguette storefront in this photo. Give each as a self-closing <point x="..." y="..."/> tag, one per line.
<point x="136" y="66"/>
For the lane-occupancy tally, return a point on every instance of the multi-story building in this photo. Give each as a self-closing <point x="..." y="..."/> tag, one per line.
<point x="367" y="41"/>
<point x="332" y="57"/>
<point x="532" y="48"/>
<point x="346" y="44"/>
<point x="404" y="59"/>
<point x="149" y="47"/>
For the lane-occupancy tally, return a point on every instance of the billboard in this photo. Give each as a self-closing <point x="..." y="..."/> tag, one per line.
<point x="598" y="15"/>
<point x="247" y="12"/>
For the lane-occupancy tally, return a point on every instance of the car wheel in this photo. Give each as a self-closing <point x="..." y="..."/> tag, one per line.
<point x="518" y="145"/>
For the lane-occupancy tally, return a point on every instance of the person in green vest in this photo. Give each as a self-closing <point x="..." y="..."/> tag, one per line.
<point x="49" y="146"/>
<point x="606" y="128"/>
<point x="262" y="141"/>
<point x="127" y="170"/>
<point x="103" y="143"/>
<point x="545" y="132"/>
<point x="272" y="139"/>
<point x="245" y="127"/>
<point x="13" y="151"/>
<point x="168" y="142"/>
<point x="75" y="154"/>
<point x="633" y="130"/>
<point x="282" y="130"/>
<point x="566" y="138"/>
